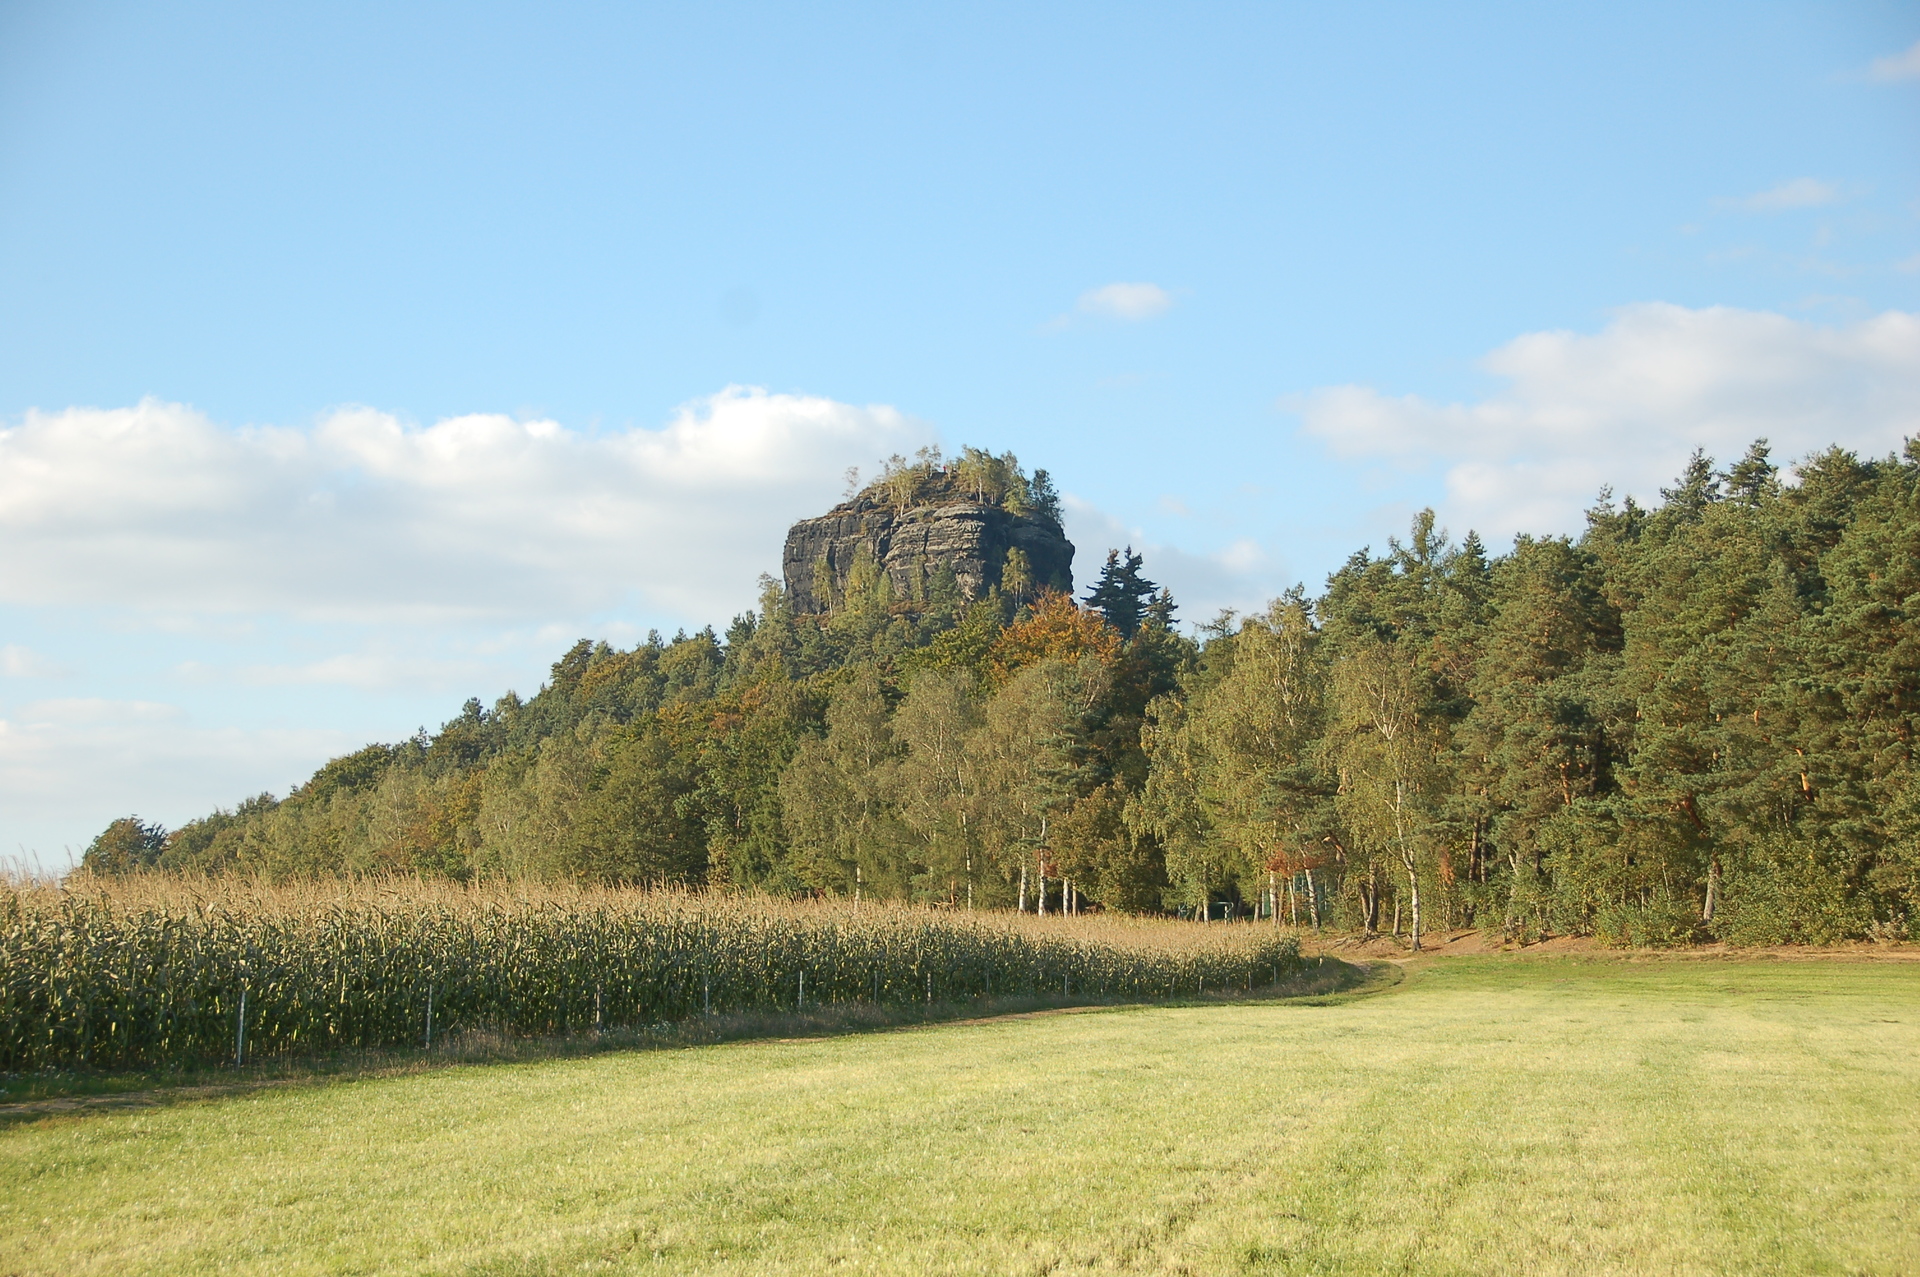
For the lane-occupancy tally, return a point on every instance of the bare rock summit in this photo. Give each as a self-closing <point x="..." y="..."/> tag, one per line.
<point x="931" y="533"/>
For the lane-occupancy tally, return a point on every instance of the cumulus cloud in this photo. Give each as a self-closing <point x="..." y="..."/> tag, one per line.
<point x="373" y="671"/>
<point x="1126" y="301"/>
<point x="1240" y="576"/>
<point x="364" y="517"/>
<point x="1627" y="405"/>
<point x="1897" y="66"/>
<point x="1801" y="192"/>
<point x="68" y="767"/>
<point x="23" y="662"/>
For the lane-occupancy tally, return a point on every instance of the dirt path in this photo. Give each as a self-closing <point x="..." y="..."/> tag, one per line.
<point x="151" y="1098"/>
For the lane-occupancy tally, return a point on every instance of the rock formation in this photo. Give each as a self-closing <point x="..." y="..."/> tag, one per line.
<point x="940" y="538"/>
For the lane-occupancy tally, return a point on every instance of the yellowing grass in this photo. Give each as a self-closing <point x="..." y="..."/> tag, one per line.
<point x="1488" y="1116"/>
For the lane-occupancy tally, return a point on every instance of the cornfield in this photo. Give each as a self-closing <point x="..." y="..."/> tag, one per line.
<point x="157" y="971"/>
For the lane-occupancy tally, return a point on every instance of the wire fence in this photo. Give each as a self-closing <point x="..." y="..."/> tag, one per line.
<point x="154" y="972"/>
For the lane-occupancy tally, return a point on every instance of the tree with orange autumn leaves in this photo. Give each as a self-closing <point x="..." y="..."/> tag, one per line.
<point x="1697" y="719"/>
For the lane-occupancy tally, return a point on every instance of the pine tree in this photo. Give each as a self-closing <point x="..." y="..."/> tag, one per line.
<point x="1045" y="501"/>
<point x="1698" y="488"/>
<point x="1752" y="479"/>
<point x="1121" y="593"/>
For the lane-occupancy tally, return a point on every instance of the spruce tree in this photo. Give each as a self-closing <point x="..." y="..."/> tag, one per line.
<point x="1121" y="594"/>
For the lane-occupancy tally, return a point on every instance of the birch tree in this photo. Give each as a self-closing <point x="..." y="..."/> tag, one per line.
<point x="1383" y="760"/>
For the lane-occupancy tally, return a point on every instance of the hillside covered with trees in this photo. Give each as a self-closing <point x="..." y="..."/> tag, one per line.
<point x="1693" y="721"/>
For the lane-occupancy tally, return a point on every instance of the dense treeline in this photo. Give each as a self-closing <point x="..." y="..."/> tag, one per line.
<point x="1695" y="720"/>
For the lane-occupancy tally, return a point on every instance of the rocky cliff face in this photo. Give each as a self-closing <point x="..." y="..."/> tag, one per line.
<point x="913" y="547"/>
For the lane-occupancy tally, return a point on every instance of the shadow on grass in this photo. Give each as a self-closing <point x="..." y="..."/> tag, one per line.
<point x="1324" y="981"/>
<point x="1359" y="980"/>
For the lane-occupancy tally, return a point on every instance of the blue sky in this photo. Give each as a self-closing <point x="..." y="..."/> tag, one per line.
<point x="354" y="361"/>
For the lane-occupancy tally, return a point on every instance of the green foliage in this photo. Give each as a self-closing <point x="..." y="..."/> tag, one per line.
<point x="125" y="846"/>
<point x="1694" y="721"/>
<point x="1552" y="1116"/>
<point x="1123" y="594"/>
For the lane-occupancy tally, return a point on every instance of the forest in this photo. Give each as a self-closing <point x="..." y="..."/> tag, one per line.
<point x="1695" y="721"/>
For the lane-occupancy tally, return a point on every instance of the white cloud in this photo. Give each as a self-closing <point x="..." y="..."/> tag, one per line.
<point x="1627" y="405"/>
<point x="364" y="517"/>
<point x="1897" y="66"/>
<point x="23" y="662"/>
<point x="1240" y="576"/>
<point x="68" y="767"/>
<point x="1126" y="301"/>
<point x="374" y="671"/>
<point x="1801" y="192"/>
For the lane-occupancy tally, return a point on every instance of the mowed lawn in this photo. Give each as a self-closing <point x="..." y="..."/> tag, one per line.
<point x="1492" y="1114"/>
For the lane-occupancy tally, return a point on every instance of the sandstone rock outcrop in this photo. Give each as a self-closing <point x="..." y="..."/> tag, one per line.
<point x="914" y="546"/>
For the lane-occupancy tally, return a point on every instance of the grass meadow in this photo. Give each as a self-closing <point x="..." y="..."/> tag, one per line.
<point x="1491" y="1114"/>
